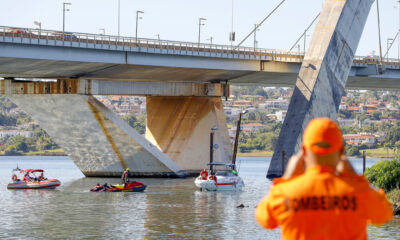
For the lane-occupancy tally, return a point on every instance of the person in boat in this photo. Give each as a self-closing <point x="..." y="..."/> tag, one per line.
<point x="125" y="176"/>
<point x="41" y="177"/>
<point x="105" y="186"/>
<point x="320" y="196"/>
<point x="233" y="170"/>
<point x="27" y="177"/>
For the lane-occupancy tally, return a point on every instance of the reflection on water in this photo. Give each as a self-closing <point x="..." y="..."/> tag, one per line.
<point x="168" y="209"/>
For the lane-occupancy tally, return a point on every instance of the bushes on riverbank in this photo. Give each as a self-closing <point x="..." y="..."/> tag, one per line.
<point x="385" y="174"/>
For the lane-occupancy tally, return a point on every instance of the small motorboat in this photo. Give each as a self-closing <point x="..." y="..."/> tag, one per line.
<point x="128" y="187"/>
<point x="31" y="179"/>
<point x="225" y="179"/>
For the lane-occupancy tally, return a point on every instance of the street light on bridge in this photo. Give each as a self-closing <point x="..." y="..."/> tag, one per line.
<point x="200" y="24"/>
<point x="137" y="21"/>
<point x="210" y="39"/>
<point x="103" y="30"/>
<point x="388" y="46"/>
<point x="39" y="24"/>
<point x="65" y="10"/>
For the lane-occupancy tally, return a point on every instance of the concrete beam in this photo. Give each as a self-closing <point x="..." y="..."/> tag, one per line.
<point x="101" y="87"/>
<point x="323" y="73"/>
<point x="181" y="126"/>
<point x="96" y="139"/>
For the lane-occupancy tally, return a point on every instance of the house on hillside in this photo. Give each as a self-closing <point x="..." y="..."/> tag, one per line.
<point x="358" y="139"/>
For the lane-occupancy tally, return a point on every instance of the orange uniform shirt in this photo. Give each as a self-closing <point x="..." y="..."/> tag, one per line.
<point x="321" y="205"/>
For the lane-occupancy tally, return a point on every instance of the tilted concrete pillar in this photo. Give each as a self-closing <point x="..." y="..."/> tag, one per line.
<point x="181" y="126"/>
<point x="96" y="139"/>
<point x="323" y="74"/>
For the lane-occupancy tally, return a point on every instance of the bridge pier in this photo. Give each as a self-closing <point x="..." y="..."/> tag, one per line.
<point x="96" y="139"/>
<point x="181" y="127"/>
<point x="323" y="73"/>
<point x="103" y="145"/>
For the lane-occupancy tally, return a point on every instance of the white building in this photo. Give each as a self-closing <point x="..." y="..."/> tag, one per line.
<point x="277" y="104"/>
<point x="16" y="133"/>
<point x="280" y="115"/>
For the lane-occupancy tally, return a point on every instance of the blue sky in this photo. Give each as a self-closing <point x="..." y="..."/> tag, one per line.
<point x="178" y="19"/>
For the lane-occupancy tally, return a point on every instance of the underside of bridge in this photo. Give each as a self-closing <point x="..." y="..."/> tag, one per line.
<point x="103" y="145"/>
<point x="323" y="73"/>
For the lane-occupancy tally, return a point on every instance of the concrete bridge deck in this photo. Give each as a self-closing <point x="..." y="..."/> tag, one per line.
<point x="32" y="53"/>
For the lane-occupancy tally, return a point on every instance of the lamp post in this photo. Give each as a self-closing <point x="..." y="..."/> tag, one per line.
<point x="210" y="39"/>
<point x="298" y="48"/>
<point x="398" y="53"/>
<point x="200" y="24"/>
<point x="388" y="46"/>
<point x="255" y="35"/>
<point x="39" y="24"/>
<point x="158" y="36"/>
<point x="137" y="21"/>
<point x="65" y="10"/>
<point x="305" y="41"/>
<point x="103" y="30"/>
<point x="119" y="15"/>
<point x="232" y="33"/>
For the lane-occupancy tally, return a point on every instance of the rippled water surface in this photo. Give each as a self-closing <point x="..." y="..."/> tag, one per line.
<point x="168" y="209"/>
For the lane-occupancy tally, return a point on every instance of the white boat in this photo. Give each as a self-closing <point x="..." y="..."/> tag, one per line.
<point x="224" y="179"/>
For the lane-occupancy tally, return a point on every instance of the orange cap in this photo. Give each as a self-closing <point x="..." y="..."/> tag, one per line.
<point x="322" y="136"/>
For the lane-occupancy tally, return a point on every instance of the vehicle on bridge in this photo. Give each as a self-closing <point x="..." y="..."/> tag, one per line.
<point x="21" y="31"/>
<point x="133" y="186"/>
<point x="67" y="35"/>
<point x="30" y="179"/>
<point x="224" y="179"/>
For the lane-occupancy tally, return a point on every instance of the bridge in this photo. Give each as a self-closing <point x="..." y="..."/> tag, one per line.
<point x="183" y="83"/>
<point x="33" y="53"/>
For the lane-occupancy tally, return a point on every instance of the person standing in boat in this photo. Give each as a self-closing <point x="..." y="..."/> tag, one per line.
<point x="125" y="176"/>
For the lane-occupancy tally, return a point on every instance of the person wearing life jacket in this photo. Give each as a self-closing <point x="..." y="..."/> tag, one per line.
<point x="125" y="176"/>
<point x="27" y="177"/>
<point x="320" y="196"/>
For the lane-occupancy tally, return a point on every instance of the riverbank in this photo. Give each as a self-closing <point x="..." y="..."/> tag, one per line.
<point x="394" y="198"/>
<point x="256" y="154"/>
<point x="371" y="153"/>
<point x="380" y="153"/>
<point x="55" y="152"/>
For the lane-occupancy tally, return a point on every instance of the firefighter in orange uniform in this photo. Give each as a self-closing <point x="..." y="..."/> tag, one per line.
<point x="320" y="196"/>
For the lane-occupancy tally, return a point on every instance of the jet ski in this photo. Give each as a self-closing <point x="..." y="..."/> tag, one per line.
<point x="133" y="186"/>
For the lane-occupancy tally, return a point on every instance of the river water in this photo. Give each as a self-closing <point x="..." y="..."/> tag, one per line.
<point x="168" y="209"/>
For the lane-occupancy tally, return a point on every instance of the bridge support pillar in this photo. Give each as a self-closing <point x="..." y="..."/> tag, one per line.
<point x="323" y="74"/>
<point x="96" y="139"/>
<point x="181" y="127"/>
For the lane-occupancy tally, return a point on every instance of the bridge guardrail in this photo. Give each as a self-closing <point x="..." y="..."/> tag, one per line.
<point x="88" y="40"/>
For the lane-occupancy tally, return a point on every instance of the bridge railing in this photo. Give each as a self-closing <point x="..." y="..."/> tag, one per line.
<point x="100" y="41"/>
